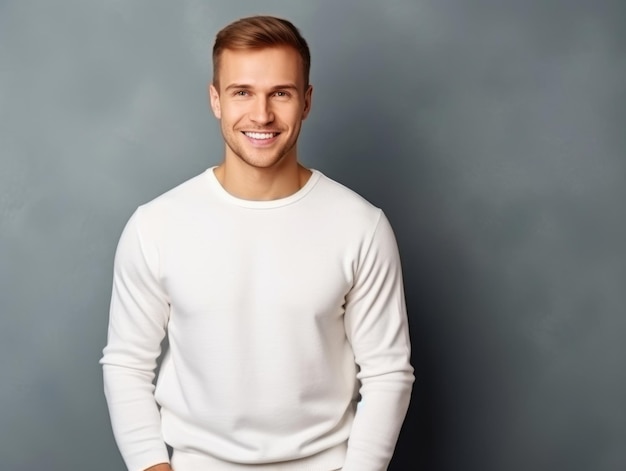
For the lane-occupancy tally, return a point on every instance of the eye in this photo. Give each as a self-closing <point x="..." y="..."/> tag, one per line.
<point x="241" y="93"/>
<point x="281" y="94"/>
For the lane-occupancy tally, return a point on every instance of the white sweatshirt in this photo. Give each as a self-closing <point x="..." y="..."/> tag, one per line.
<point x="280" y="315"/>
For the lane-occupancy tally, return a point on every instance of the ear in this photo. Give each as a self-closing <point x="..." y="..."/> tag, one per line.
<point x="214" y="96"/>
<point x="308" y="95"/>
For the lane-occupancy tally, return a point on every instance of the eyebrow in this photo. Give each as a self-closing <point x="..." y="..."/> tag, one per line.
<point x="285" y="86"/>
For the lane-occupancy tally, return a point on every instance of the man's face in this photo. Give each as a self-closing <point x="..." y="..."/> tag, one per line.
<point x="261" y="103"/>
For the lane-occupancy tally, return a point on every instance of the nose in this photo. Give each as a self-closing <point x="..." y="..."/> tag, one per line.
<point x="261" y="112"/>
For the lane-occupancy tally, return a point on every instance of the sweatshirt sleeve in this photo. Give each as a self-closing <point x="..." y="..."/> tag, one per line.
<point x="377" y="328"/>
<point x="137" y="324"/>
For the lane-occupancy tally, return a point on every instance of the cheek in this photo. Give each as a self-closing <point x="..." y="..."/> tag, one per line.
<point x="233" y="112"/>
<point x="292" y="115"/>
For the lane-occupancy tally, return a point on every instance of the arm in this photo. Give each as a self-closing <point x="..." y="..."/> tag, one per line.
<point x="137" y="324"/>
<point x="376" y="325"/>
<point x="160" y="467"/>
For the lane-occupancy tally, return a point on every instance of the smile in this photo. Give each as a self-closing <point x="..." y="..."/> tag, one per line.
<point x="260" y="135"/>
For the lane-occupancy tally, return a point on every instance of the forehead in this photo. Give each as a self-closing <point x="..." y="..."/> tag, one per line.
<point x="261" y="67"/>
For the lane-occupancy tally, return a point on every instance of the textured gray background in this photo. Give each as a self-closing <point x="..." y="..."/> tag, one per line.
<point x="491" y="132"/>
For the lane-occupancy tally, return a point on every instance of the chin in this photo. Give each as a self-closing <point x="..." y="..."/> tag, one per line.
<point x="264" y="161"/>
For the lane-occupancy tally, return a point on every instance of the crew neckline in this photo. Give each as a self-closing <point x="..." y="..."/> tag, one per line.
<point x="218" y="189"/>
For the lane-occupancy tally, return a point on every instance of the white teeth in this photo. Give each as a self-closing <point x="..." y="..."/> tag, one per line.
<point x="260" y="135"/>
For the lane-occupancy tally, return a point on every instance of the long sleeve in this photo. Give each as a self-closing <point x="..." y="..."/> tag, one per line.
<point x="257" y="300"/>
<point x="137" y="325"/>
<point x="377" y="328"/>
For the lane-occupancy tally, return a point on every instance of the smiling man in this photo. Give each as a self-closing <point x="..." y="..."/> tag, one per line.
<point x="279" y="290"/>
<point x="260" y="97"/>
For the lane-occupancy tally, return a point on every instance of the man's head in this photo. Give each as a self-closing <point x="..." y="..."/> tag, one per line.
<point x="260" y="90"/>
<point x="260" y="32"/>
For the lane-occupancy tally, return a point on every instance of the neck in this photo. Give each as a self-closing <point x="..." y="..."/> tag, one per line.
<point x="261" y="184"/>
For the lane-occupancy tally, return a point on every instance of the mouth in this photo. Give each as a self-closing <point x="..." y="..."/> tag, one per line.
<point x="260" y="136"/>
<point x="261" y="139"/>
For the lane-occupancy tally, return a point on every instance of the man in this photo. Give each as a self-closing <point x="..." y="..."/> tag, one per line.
<point x="280" y="292"/>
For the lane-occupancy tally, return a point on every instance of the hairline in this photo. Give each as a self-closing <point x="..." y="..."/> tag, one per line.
<point x="218" y="56"/>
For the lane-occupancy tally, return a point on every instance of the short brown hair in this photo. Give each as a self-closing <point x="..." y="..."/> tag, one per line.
<point x="258" y="32"/>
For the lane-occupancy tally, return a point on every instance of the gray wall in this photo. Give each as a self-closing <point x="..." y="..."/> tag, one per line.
<point x="491" y="132"/>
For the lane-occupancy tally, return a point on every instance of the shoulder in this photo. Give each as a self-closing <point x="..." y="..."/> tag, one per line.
<point x="344" y="202"/>
<point x="355" y="222"/>
<point x="340" y="195"/>
<point x="180" y="195"/>
<point x="179" y="200"/>
<point x="168" y="208"/>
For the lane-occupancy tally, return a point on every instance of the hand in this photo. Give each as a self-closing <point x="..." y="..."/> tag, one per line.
<point x="160" y="467"/>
